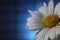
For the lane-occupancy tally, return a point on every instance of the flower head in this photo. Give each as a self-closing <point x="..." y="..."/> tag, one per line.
<point x="51" y="20"/>
<point x="47" y="20"/>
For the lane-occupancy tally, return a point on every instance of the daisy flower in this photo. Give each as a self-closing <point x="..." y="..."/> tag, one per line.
<point x="46" y="20"/>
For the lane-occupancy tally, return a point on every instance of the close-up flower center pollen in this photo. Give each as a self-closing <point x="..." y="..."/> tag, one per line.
<point x="51" y="20"/>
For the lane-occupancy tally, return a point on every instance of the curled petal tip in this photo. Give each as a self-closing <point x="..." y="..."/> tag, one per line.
<point x="31" y="12"/>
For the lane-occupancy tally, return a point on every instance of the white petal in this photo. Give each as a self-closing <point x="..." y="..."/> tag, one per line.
<point x="41" y="34"/>
<point x="57" y="9"/>
<point x="34" y="23"/>
<point x="34" y="20"/>
<point x="35" y="26"/>
<point x="35" y="13"/>
<point x="51" y="7"/>
<point x="43" y="9"/>
<point x="50" y="34"/>
<point x="57" y="29"/>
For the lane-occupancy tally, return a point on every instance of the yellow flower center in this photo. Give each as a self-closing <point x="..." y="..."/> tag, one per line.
<point x="51" y="20"/>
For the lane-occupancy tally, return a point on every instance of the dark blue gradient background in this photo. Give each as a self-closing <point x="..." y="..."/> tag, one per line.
<point x="13" y="17"/>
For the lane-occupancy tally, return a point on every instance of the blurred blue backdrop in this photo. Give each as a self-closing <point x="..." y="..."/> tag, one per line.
<point x="14" y="16"/>
<point x="22" y="7"/>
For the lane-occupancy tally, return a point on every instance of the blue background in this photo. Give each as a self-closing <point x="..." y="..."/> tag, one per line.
<point x="23" y="6"/>
<point x="14" y="16"/>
